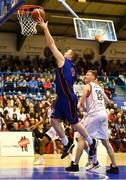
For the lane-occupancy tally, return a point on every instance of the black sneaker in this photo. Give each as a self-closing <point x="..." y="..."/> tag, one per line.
<point x="73" y="167"/>
<point x="92" y="148"/>
<point x="91" y="160"/>
<point x="67" y="149"/>
<point x="113" y="170"/>
<point x="92" y="166"/>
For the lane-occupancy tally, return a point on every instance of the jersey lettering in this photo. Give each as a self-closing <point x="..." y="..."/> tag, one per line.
<point x="99" y="95"/>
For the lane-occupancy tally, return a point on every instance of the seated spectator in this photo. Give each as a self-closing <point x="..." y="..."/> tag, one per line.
<point x="8" y="121"/>
<point x="4" y="127"/>
<point x="22" y="84"/>
<point x="114" y="139"/>
<point x="48" y="94"/>
<point x="21" y="125"/>
<point x="15" y="114"/>
<point x="27" y="117"/>
<point x="27" y="125"/>
<point x="15" y="127"/>
<point x="8" y="84"/>
<point x="33" y="85"/>
<point x="37" y="116"/>
<point x="112" y="116"/>
<point x="122" y="136"/>
<point x="1" y="120"/>
<point x="47" y="84"/>
<point x="115" y="107"/>
<point x="1" y="105"/>
<point x="108" y="92"/>
<point x="31" y="112"/>
<point x="9" y="109"/>
<point x="22" y="114"/>
<point x="119" y="124"/>
<point x="32" y="121"/>
<point x="40" y="85"/>
<point x="39" y="96"/>
<point x="22" y="99"/>
<point x="1" y="85"/>
<point x="26" y="106"/>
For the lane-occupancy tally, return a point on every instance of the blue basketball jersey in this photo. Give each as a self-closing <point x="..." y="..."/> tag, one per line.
<point x="65" y="78"/>
<point x="65" y="107"/>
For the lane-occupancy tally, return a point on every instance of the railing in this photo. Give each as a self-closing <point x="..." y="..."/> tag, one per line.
<point x="117" y="86"/>
<point x="12" y="83"/>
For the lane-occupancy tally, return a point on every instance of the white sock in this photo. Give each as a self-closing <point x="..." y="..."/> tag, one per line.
<point x="89" y="140"/>
<point x="64" y="140"/>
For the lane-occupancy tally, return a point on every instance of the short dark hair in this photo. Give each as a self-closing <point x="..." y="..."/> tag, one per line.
<point x="94" y="72"/>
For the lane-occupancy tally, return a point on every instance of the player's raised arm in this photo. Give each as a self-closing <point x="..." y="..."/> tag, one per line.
<point x="50" y="41"/>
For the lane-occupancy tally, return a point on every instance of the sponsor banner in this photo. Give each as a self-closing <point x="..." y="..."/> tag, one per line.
<point x="116" y="51"/>
<point x="86" y="50"/>
<point x="16" y="144"/>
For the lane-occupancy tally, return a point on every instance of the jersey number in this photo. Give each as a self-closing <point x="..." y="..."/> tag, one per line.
<point x="99" y="94"/>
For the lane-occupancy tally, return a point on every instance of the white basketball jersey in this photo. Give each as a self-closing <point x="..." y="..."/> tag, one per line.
<point x="95" y="101"/>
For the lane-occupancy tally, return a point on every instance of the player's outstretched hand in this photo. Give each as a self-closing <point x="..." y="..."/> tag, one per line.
<point x="42" y="24"/>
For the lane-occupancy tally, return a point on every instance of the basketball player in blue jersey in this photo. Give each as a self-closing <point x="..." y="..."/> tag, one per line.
<point x="66" y="104"/>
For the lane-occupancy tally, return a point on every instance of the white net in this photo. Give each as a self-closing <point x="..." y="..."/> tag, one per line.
<point x="97" y="34"/>
<point x="28" y="25"/>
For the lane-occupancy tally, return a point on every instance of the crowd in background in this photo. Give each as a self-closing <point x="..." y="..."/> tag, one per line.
<point x="27" y="91"/>
<point x="34" y="75"/>
<point x="36" y="64"/>
<point x="117" y="127"/>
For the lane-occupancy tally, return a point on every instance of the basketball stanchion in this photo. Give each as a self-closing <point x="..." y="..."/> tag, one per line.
<point x="73" y="13"/>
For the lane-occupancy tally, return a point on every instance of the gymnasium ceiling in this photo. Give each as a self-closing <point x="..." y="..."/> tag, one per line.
<point x="61" y="23"/>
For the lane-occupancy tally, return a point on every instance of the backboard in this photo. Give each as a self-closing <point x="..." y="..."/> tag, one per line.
<point x="8" y="7"/>
<point x="88" y="29"/>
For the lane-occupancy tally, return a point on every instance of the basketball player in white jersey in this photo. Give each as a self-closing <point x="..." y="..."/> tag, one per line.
<point x="93" y="101"/>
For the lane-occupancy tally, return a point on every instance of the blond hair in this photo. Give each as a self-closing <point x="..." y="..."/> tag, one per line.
<point x="94" y="72"/>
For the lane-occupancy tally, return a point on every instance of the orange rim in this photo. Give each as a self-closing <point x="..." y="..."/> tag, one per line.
<point x="99" y="38"/>
<point x="27" y="9"/>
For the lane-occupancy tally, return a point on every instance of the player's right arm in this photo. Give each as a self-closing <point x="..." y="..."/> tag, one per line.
<point x="106" y="99"/>
<point x="85" y="94"/>
<point x="51" y="43"/>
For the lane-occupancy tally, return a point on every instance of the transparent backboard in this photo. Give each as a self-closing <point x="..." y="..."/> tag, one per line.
<point x="8" y="7"/>
<point x="88" y="29"/>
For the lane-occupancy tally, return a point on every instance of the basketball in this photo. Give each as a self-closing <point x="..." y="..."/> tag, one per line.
<point x="36" y="13"/>
<point x="99" y="38"/>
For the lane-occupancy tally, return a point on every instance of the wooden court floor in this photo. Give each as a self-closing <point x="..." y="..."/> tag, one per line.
<point x="24" y="168"/>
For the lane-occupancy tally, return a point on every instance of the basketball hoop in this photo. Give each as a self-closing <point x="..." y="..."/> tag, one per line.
<point x="98" y="35"/>
<point x="99" y="38"/>
<point x="28" y="25"/>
